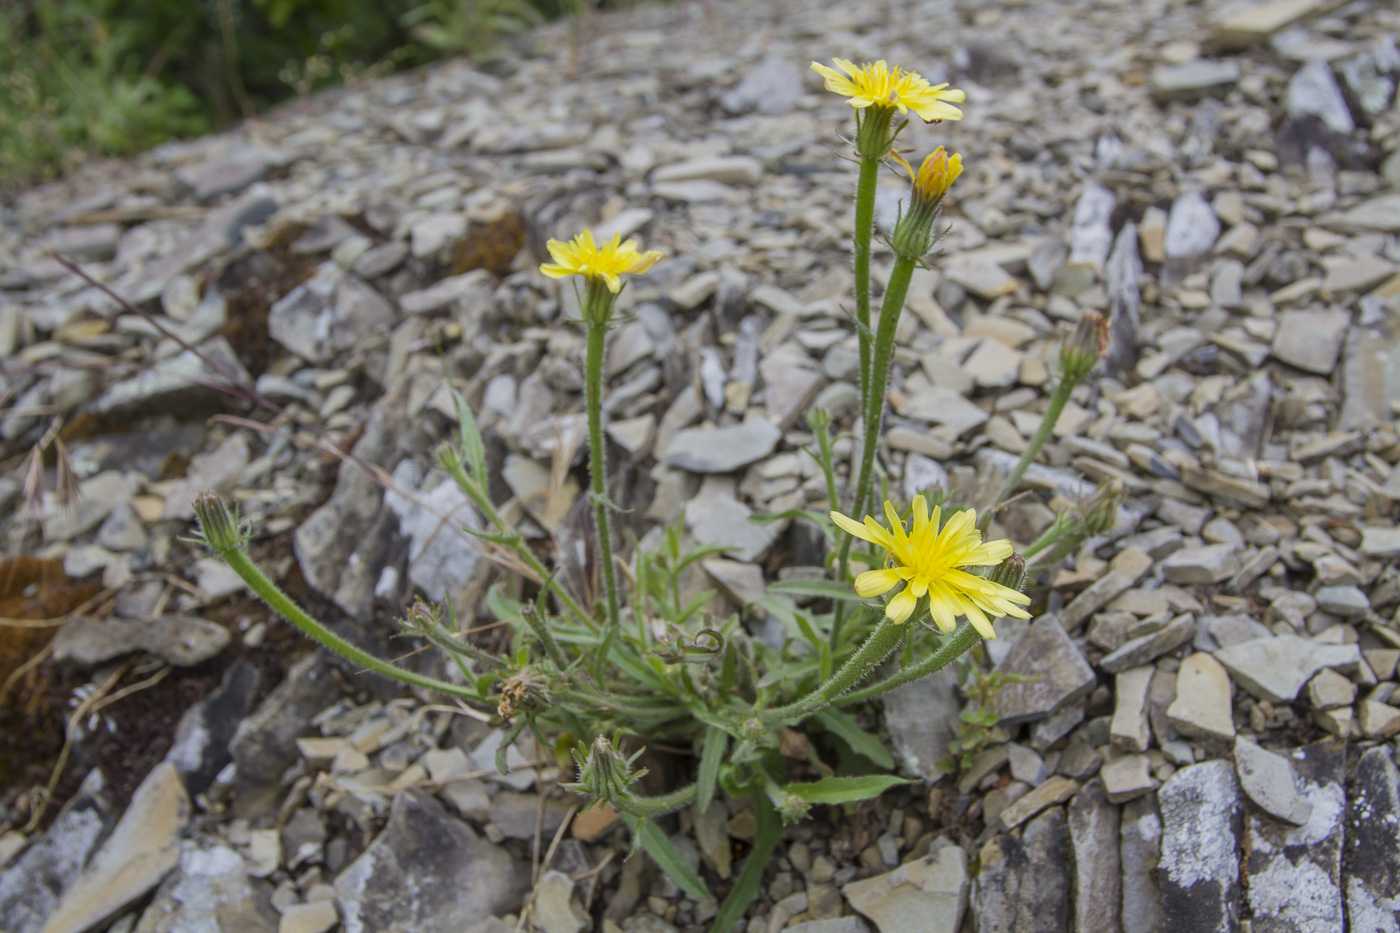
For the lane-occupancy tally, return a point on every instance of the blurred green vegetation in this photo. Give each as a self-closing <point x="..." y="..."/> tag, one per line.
<point x="109" y="77"/>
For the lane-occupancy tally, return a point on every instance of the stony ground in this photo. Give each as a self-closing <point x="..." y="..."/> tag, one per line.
<point x="1209" y="742"/>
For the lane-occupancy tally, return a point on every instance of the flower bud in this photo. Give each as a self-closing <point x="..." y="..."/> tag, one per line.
<point x="1010" y="573"/>
<point x="1085" y="347"/>
<point x="1101" y="509"/>
<point x="604" y="773"/>
<point x="219" y="528"/>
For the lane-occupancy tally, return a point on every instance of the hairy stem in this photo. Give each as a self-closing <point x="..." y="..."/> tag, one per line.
<point x="1037" y="441"/>
<point x="963" y="641"/>
<point x="868" y="656"/>
<point x="597" y="462"/>
<point x="283" y="606"/>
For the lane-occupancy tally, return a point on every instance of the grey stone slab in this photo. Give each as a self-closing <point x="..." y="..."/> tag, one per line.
<point x="1371" y="865"/>
<point x="1199" y="870"/>
<point x="1043" y="651"/>
<point x="1024" y="883"/>
<point x="1098" y="878"/>
<point x="1294" y="872"/>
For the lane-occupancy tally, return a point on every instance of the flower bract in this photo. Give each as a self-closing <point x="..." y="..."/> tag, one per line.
<point x="582" y="256"/>
<point x="932" y="561"/>
<point x="876" y="84"/>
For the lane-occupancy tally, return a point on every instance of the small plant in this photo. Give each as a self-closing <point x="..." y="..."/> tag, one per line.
<point x="641" y="662"/>
<point x="979" y="726"/>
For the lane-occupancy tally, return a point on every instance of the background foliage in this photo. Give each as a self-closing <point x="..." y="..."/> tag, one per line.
<point x="110" y="77"/>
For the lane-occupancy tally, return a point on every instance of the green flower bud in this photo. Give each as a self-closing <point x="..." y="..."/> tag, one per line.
<point x="221" y="530"/>
<point x="1010" y="573"/>
<point x="1085" y="347"/>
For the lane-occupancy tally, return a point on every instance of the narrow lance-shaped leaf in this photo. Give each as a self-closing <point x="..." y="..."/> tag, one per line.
<point x="844" y="789"/>
<point x="665" y="855"/>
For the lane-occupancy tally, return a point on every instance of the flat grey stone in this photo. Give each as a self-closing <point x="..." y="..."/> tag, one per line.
<point x="181" y="640"/>
<point x="1275" y="669"/>
<point x="1313" y="90"/>
<point x="1139" y="651"/>
<point x="31" y="886"/>
<point x="1098" y="877"/>
<point x="920" y="717"/>
<point x="1062" y="675"/>
<point x="1024" y="882"/>
<point x="1371" y="863"/>
<point x="426" y="872"/>
<point x="1294" y="872"/>
<point x="327" y="315"/>
<point x="1193" y="80"/>
<point x="774" y="86"/>
<point x="209" y="890"/>
<point x="1345" y="601"/>
<point x="722" y="450"/>
<point x="1312" y="340"/>
<point x="1268" y="779"/>
<point x="1210" y="563"/>
<point x="926" y="894"/>
<point x="1192" y="228"/>
<point x="143" y="848"/>
<point x="1127" y="778"/>
<point x="1201" y="825"/>
<point x="1202" y="706"/>
<point x="1139" y="851"/>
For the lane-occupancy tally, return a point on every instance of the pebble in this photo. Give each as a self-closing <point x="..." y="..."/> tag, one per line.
<point x="1270" y="782"/>
<point x="1202" y="707"/>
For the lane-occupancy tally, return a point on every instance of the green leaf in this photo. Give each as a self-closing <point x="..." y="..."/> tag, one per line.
<point x="844" y="789"/>
<point x="665" y="855"/>
<point x="826" y="589"/>
<point x="768" y="518"/>
<point x="768" y="830"/>
<point x="844" y="726"/>
<point x="501" y="605"/>
<point x="711" y="756"/>
<point x="700" y="553"/>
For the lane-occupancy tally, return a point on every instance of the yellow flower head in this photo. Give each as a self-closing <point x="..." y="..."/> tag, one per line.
<point x="930" y="561"/>
<point x="581" y="256"/>
<point x="875" y="84"/>
<point x="935" y="176"/>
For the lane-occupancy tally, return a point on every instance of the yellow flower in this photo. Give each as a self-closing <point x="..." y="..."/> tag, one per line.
<point x="581" y="256"/>
<point x="935" y="176"/>
<point x="876" y="84"/>
<point x="930" y="561"/>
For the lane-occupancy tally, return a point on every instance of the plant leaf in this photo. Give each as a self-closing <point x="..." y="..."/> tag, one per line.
<point x="768" y="830"/>
<point x="711" y="756"/>
<point x="844" y="727"/>
<point x="665" y="855"/>
<point x="826" y="589"/>
<point x="844" y="789"/>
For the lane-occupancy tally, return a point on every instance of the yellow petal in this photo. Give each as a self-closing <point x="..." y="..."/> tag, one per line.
<point x="874" y="582"/>
<point x="920" y="515"/>
<point x="852" y="527"/>
<point x="979" y="621"/>
<point x="901" y="607"/>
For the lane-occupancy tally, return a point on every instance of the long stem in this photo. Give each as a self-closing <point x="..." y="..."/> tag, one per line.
<point x="515" y="541"/>
<point x="597" y="464"/>
<point x="1037" y="441"/>
<point x="869" y="656"/>
<point x="864" y="232"/>
<point x="960" y="644"/>
<point x="657" y="806"/>
<point x="283" y="606"/>
<point x="883" y="354"/>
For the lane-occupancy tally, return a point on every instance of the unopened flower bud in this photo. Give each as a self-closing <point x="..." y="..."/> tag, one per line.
<point x="793" y="808"/>
<point x="1010" y="573"/>
<point x="1101" y="510"/>
<point x="219" y="528"/>
<point x="1085" y="347"/>
<point x="913" y="234"/>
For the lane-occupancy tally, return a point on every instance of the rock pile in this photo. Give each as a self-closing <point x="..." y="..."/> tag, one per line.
<point x="1209" y="737"/>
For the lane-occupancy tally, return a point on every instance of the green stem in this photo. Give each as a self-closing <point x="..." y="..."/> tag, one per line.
<point x="963" y="641"/>
<point x="868" y="656"/>
<point x="516" y="541"/>
<point x="890" y="308"/>
<point x="283" y="606"/>
<point x="597" y="450"/>
<point x="649" y="807"/>
<point x="1037" y="441"/>
<point x="864" y="232"/>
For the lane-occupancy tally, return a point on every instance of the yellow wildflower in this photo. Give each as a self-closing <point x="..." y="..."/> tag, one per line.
<point x="876" y="84"/>
<point x="581" y="256"/>
<point x="935" y="176"/>
<point x="930" y="561"/>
